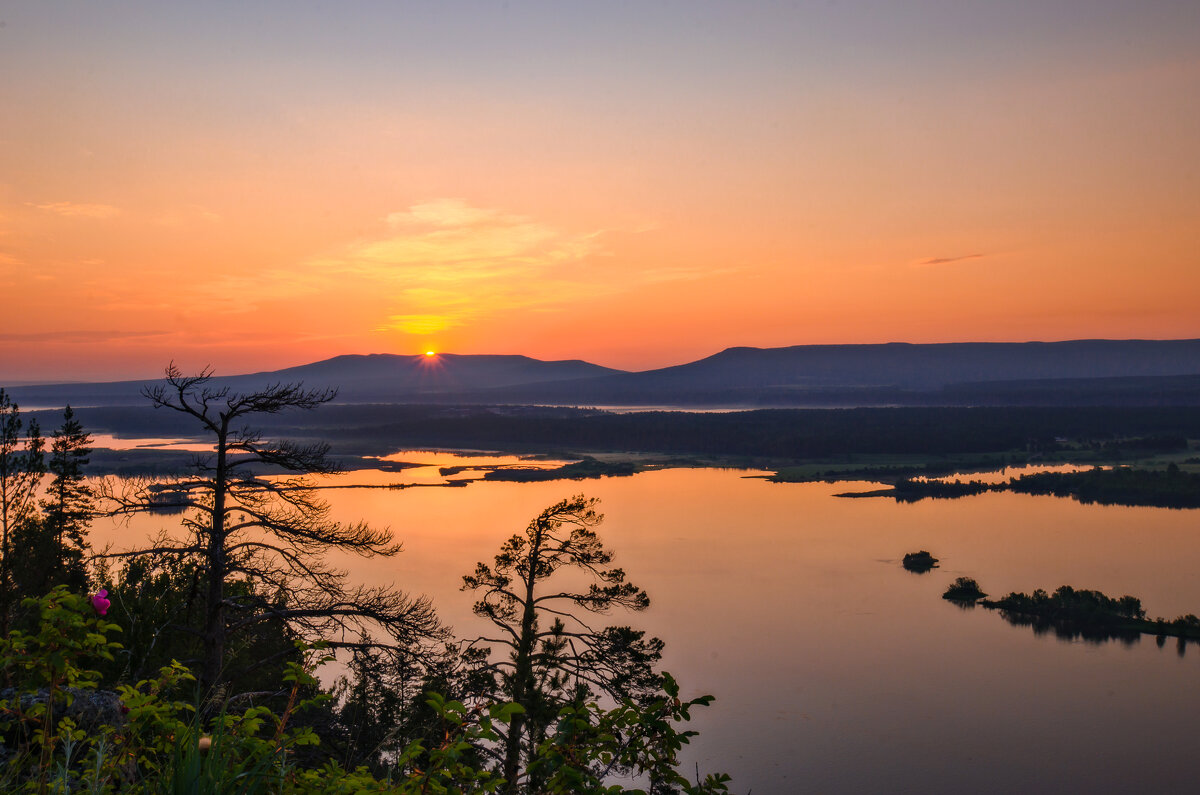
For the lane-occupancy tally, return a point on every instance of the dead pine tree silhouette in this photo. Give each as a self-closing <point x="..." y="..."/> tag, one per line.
<point x="257" y="540"/>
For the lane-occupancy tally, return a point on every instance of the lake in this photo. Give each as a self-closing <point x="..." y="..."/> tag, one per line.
<point x="834" y="669"/>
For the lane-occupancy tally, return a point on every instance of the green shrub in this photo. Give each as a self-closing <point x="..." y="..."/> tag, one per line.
<point x="60" y="733"/>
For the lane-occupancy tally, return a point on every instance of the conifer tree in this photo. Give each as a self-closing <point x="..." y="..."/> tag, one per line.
<point x="21" y="469"/>
<point x="53" y="546"/>
<point x="553" y="655"/>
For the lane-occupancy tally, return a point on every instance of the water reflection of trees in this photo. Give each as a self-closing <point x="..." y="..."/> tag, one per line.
<point x="1071" y="630"/>
<point x="1079" y="614"/>
<point x="1180" y="644"/>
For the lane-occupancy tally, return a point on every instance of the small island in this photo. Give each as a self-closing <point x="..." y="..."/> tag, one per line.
<point x="578" y="470"/>
<point x="919" y="562"/>
<point x="1072" y="613"/>
<point x="964" y="590"/>
<point x="1090" y="615"/>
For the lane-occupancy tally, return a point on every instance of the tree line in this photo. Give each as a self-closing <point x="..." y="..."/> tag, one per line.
<point x="1102" y="433"/>
<point x="42" y="531"/>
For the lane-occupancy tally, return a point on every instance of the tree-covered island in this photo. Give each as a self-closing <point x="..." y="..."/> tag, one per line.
<point x="1072" y="613"/>
<point x="1168" y="487"/>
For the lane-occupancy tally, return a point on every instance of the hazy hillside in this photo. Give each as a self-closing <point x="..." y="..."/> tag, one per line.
<point x="384" y="376"/>
<point x="895" y="373"/>
<point x="926" y="367"/>
<point x="369" y="378"/>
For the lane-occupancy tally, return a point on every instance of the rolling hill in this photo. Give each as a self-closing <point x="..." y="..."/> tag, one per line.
<point x="894" y="374"/>
<point x="371" y="378"/>
<point x="1078" y="372"/>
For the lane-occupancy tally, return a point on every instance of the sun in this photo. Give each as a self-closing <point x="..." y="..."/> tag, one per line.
<point x="431" y="353"/>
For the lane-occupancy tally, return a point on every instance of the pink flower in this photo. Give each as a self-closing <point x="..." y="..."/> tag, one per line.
<point x="100" y="601"/>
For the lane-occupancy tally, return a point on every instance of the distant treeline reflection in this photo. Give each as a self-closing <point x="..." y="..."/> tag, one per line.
<point x="1167" y="488"/>
<point x="1163" y="488"/>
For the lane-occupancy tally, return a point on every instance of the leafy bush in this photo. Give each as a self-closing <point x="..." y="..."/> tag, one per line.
<point x="60" y="733"/>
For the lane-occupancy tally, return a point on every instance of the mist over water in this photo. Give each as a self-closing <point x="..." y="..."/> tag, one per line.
<point x="835" y="670"/>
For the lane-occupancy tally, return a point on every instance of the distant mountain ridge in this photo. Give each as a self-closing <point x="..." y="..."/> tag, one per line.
<point x="930" y="366"/>
<point x="883" y="374"/>
<point x="359" y="378"/>
<point x="968" y="373"/>
<point x="381" y="374"/>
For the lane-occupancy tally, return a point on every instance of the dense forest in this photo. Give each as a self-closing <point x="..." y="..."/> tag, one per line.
<point x="1101" y="433"/>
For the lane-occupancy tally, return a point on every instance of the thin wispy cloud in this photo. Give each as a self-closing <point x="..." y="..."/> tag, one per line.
<point x="424" y="325"/>
<point x="78" y="336"/>
<point x="479" y="242"/>
<point x="947" y="260"/>
<point x="444" y="263"/>
<point x="439" y="310"/>
<point x="440" y="258"/>
<point x="80" y="210"/>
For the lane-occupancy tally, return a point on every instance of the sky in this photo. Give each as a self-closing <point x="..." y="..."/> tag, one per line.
<point x="638" y="184"/>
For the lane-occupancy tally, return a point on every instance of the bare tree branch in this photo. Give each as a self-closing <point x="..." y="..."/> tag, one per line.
<point x="269" y="531"/>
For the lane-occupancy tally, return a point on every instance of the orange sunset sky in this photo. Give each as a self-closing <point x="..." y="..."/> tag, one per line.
<point x="258" y="185"/>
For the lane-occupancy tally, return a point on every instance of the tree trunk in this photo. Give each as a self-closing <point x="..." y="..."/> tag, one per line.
<point x="214" y="625"/>
<point x="522" y="674"/>
<point x="5" y="560"/>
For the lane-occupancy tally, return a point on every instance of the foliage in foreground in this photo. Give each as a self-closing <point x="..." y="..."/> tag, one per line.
<point x="60" y="733"/>
<point x="551" y="656"/>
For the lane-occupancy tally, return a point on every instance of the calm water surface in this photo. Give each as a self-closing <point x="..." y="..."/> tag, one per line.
<point x="834" y="669"/>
